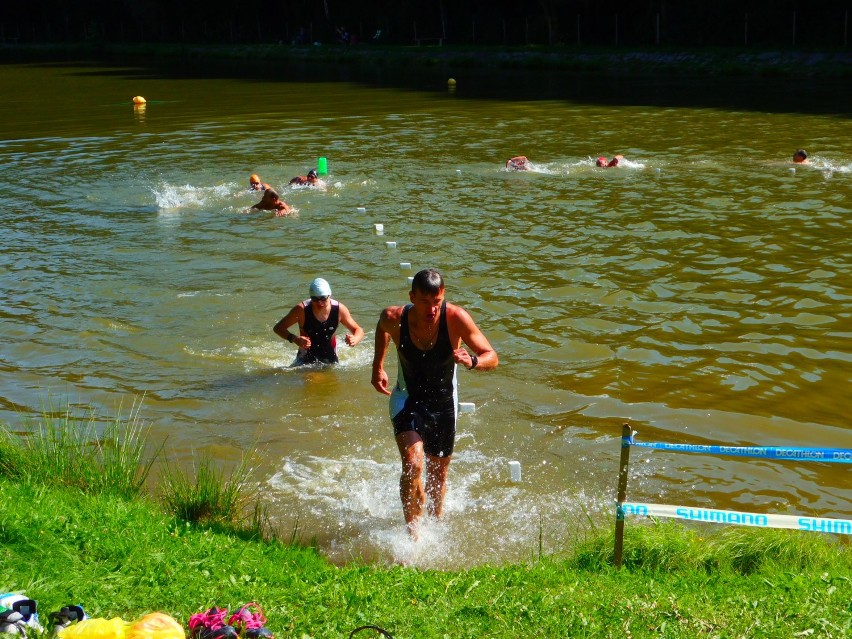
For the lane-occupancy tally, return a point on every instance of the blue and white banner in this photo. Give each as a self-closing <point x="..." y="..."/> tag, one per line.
<point x="837" y="455"/>
<point x="711" y="515"/>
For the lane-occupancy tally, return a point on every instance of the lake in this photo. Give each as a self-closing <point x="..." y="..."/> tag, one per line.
<point x="699" y="292"/>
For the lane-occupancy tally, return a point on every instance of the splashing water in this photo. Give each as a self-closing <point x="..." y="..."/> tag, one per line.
<point x="362" y="496"/>
<point x="170" y="196"/>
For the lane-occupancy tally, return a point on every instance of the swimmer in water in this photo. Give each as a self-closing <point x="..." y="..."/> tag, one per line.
<point x="256" y="185"/>
<point x="317" y="319"/>
<point x="271" y="202"/>
<point x="311" y="179"/>
<point x="518" y="163"/>
<point x="800" y="157"/>
<point x="604" y="163"/>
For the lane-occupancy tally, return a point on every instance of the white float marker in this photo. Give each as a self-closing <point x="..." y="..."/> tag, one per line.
<point x="391" y="244"/>
<point x="792" y="170"/>
<point x="380" y="229"/>
<point x="405" y="266"/>
<point x="467" y="407"/>
<point x="515" y="471"/>
<point x="361" y="209"/>
<point x="410" y="279"/>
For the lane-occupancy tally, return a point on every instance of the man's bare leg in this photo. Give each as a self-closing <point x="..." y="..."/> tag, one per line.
<point x="410" y="480"/>
<point x="436" y="483"/>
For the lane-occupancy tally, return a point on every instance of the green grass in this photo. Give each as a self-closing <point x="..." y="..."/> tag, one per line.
<point x="211" y="497"/>
<point x="94" y="455"/>
<point x="126" y="556"/>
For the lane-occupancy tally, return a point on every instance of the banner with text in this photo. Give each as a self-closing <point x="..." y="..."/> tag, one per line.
<point x="795" y="522"/>
<point x="836" y="455"/>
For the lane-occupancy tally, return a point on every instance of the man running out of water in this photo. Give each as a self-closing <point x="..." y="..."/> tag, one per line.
<point x="428" y="334"/>
<point x="317" y="319"/>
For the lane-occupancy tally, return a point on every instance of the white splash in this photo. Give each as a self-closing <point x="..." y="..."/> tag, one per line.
<point x="172" y="196"/>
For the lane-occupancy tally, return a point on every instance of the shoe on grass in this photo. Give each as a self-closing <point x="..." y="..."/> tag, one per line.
<point x="12" y="623"/>
<point x="66" y="616"/>
<point x="20" y="617"/>
<point x="211" y="625"/>
<point x="250" y="625"/>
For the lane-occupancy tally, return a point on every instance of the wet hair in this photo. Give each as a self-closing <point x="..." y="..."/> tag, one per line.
<point x="800" y="153"/>
<point x="271" y="194"/>
<point x="312" y="173"/>
<point x="428" y="281"/>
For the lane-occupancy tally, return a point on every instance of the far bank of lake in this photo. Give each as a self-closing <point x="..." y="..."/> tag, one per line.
<point x="252" y="58"/>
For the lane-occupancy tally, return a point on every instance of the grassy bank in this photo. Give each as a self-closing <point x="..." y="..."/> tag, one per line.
<point x="125" y="556"/>
<point x="119" y="557"/>
<point x="250" y="58"/>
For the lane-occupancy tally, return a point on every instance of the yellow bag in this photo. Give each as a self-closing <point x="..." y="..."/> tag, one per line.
<point x="156" y="625"/>
<point x="115" y="628"/>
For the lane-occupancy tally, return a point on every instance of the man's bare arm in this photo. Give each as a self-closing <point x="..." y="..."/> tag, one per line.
<point x="475" y="340"/>
<point x="357" y="333"/>
<point x="383" y="339"/>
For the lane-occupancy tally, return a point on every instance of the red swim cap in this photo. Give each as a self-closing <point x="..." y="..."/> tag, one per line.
<point x="601" y="161"/>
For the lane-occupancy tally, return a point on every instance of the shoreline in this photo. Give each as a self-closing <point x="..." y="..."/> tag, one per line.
<point x="734" y="63"/>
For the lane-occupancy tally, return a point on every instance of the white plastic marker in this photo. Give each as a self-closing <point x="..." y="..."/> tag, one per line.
<point x="361" y="209"/>
<point x="515" y="471"/>
<point x="410" y="279"/>
<point x="391" y="244"/>
<point x="405" y="266"/>
<point x="467" y="407"/>
<point x="380" y="228"/>
<point x="792" y="170"/>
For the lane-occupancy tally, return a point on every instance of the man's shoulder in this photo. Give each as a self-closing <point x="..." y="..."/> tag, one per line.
<point x="392" y="312"/>
<point x="456" y="313"/>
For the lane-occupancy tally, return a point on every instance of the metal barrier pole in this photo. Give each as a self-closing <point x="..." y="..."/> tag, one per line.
<point x="623" y="464"/>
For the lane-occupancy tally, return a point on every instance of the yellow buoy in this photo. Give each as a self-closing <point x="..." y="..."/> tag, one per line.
<point x="138" y="99"/>
<point x="451" y="82"/>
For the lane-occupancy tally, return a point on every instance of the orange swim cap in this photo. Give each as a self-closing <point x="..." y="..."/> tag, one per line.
<point x="254" y="179"/>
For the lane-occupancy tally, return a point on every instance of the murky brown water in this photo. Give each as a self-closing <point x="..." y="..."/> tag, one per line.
<point x="700" y="292"/>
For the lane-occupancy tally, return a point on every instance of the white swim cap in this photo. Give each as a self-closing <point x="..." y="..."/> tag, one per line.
<point x="320" y="288"/>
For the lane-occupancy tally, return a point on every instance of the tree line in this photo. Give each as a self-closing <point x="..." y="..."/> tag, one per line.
<point x="637" y="23"/>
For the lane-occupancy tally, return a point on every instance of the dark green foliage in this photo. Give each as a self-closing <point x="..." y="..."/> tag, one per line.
<point x="766" y="23"/>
